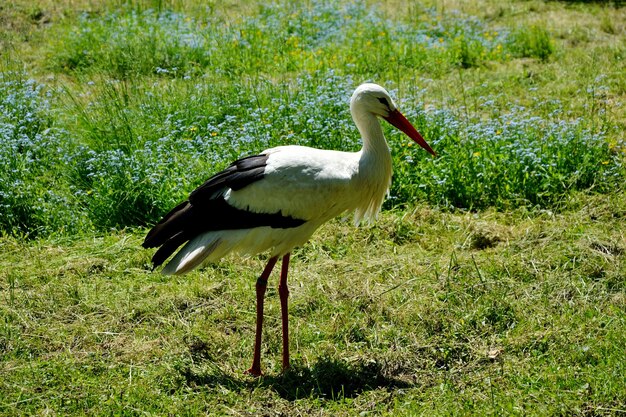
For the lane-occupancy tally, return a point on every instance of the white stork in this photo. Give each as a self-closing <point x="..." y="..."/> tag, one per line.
<point x="274" y="202"/>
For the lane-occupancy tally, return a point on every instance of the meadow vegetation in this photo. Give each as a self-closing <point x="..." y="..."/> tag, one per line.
<point x="494" y="282"/>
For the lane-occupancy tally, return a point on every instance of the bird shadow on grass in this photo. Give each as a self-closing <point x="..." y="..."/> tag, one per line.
<point x="328" y="378"/>
<point x="331" y="378"/>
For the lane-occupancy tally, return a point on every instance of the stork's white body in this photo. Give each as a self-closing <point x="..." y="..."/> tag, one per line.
<point x="305" y="183"/>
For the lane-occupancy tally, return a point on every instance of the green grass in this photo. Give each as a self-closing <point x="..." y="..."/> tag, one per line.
<point x="427" y="312"/>
<point x="493" y="284"/>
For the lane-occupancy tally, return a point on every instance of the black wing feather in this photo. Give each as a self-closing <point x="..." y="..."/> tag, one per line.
<point x="206" y="210"/>
<point x="239" y="174"/>
<point x="162" y="230"/>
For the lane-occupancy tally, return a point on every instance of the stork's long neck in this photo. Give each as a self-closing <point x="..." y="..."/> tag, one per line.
<point x="374" y="144"/>
<point x="374" y="173"/>
<point x="375" y="156"/>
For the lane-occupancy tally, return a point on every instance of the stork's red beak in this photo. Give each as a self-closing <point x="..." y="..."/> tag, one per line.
<point x="398" y="120"/>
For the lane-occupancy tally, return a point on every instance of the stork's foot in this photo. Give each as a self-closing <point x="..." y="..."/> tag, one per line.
<point x="254" y="371"/>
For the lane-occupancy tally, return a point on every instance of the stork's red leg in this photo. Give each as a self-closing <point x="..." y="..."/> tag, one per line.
<point x="261" y="285"/>
<point x="283" y="291"/>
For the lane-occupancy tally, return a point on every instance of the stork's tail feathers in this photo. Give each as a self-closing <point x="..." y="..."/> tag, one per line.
<point x="193" y="254"/>
<point x="172" y="232"/>
<point x="207" y="247"/>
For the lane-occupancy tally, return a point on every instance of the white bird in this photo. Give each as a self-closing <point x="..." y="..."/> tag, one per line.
<point x="274" y="202"/>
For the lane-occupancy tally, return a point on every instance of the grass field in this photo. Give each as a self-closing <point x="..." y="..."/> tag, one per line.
<point x="493" y="283"/>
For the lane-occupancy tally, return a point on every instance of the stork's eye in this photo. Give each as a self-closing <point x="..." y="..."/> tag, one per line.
<point x="384" y="101"/>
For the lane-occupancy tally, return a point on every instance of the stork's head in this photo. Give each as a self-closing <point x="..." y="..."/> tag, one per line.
<point x="374" y="99"/>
